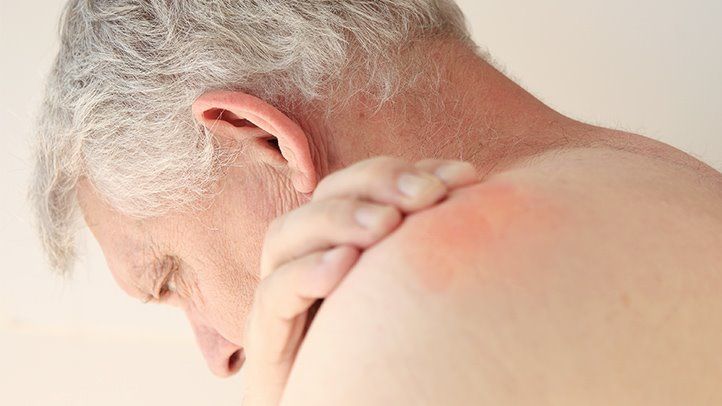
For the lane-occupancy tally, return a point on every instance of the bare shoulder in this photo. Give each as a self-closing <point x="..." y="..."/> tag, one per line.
<point x="580" y="275"/>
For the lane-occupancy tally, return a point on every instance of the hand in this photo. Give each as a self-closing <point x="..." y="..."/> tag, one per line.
<point x="308" y="251"/>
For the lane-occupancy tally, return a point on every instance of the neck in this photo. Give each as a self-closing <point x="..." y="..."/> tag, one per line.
<point x="474" y="113"/>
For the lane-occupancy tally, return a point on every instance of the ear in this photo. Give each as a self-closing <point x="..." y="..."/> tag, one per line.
<point x="241" y="118"/>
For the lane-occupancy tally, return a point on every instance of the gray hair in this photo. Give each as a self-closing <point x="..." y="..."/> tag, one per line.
<point x="117" y="103"/>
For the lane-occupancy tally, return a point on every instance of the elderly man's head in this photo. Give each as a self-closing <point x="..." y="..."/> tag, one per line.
<point x="182" y="128"/>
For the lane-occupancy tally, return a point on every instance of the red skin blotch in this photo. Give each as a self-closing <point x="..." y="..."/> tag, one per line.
<point x="463" y="232"/>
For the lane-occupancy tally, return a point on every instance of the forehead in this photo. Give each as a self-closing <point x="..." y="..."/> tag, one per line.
<point x="133" y="251"/>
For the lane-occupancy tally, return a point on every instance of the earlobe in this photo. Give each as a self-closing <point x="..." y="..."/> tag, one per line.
<point x="240" y="117"/>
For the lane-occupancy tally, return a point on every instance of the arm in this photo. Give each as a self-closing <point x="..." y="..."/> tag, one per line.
<point x="583" y="277"/>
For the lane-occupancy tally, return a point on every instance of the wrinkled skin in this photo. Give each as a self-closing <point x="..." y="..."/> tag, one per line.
<point x="217" y="260"/>
<point x="192" y="279"/>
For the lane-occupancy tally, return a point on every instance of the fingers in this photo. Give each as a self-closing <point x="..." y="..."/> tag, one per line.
<point x="310" y="250"/>
<point x="384" y="180"/>
<point x="342" y="212"/>
<point x="296" y="285"/>
<point x="454" y="174"/>
<point x="277" y="320"/>
<point x="288" y="293"/>
<point x="325" y="224"/>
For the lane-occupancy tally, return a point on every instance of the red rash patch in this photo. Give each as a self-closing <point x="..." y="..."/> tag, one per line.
<point x="459" y="233"/>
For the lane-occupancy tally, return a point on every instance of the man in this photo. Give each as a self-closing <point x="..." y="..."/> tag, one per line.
<point x="582" y="269"/>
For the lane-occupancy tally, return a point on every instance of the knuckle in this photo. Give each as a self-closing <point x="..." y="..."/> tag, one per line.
<point x="337" y="211"/>
<point x="373" y="171"/>
<point x="385" y="173"/>
<point x="384" y="220"/>
<point x="378" y="166"/>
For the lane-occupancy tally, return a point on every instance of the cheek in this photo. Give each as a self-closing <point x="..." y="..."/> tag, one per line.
<point x="225" y="296"/>
<point x="227" y="248"/>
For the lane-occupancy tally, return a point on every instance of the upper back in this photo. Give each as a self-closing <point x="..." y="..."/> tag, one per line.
<point x="579" y="276"/>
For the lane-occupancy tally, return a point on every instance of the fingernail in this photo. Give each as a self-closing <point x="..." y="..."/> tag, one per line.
<point x="455" y="172"/>
<point x="370" y="216"/>
<point x="416" y="185"/>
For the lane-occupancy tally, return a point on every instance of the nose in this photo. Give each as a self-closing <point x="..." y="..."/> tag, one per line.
<point x="222" y="356"/>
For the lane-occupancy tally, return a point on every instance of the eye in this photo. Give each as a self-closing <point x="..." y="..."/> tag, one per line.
<point x="168" y="288"/>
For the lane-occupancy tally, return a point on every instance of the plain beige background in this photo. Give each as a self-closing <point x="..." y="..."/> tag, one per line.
<point x="652" y="67"/>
